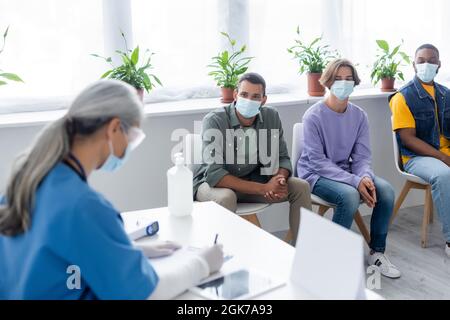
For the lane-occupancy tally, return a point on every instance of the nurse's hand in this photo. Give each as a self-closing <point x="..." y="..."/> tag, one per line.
<point x="157" y="249"/>
<point x="213" y="257"/>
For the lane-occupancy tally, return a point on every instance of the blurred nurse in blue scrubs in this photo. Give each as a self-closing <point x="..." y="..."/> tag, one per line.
<point x="55" y="229"/>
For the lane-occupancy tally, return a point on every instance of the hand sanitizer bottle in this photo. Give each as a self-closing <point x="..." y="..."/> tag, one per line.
<point x="179" y="188"/>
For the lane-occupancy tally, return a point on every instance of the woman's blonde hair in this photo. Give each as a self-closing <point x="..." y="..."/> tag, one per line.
<point x="330" y="72"/>
<point x="94" y="107"/>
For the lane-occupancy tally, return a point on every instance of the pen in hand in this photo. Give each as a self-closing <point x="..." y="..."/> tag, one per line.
<point x="215" y="239"/>
<point x="227" y="257"/>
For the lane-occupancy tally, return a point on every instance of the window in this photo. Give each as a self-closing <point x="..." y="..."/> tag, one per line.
<point x="413" y="21"/>
<point x="273" y="27"/>
<point x="184" y="35"/>
<point x="48" y="45"/>
<point x="50" y="41"/>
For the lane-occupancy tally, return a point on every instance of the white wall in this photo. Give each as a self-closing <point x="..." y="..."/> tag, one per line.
<point x="142" y="182"/>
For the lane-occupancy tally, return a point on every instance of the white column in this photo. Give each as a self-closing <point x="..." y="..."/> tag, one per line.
<point x="116" y="19"/>
<point x="332" y="11"/>
<point x="234" y="20"/>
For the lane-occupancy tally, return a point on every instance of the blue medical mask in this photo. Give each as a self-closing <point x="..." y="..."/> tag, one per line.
<point x="426" y="71"/>
<point x="247" y="108"/>
<point x="342" y="89"/>
<point x="112" y="163"/>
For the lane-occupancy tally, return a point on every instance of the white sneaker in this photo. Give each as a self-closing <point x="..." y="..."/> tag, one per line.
<point x="382" y="263"/>
<point x="447" y="250"/>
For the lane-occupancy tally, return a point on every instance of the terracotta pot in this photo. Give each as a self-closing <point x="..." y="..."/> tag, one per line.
<point x="227" y="95"/>
<point x="315" y="89"/>
<point x="387" y="84"/>
<point x="140" y="93"/>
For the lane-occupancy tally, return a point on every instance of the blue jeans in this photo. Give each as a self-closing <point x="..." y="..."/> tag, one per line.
<point x="436" y="173"/>
<point x="347" y="200"/>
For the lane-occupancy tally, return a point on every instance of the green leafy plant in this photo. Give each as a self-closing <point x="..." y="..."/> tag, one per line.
<point x="129" y="71"/>
<point x="388" y="62"/>
<point x="312" y="57"/>
<point x="229" y="65"/>
<point x="7" y="75"/>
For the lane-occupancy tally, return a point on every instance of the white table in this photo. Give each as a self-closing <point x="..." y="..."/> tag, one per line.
<point x="251" y="246"/>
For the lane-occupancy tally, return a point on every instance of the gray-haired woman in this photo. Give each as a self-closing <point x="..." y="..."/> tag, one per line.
<point x="53" y="222"/>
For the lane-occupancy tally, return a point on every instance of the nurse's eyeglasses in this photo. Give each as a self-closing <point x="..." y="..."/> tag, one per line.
<point x="135" y="136"/>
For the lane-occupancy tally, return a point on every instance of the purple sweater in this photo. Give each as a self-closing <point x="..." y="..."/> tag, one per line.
<point x="336" y="145"/>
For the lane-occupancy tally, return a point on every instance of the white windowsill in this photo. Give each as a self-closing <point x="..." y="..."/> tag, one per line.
<point x="182" y="107"/>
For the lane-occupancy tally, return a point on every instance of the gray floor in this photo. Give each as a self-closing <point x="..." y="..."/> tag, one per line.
<point x="425" y="272"/>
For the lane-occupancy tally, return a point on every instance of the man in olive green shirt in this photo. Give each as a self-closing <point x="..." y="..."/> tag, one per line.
<point x="245" y="158"/>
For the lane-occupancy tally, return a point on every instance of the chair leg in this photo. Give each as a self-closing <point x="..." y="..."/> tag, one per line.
<point x="252" y="218"/>
<point x="426" y="216"/>
<point x="431" y="211"/>
<point x="362" y="227"/>
<point x="400" y="199"/>
<point x="322" y="210"/>
<point x="288" y="237"/>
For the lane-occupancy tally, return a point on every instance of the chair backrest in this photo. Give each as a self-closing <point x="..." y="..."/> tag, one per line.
<point x="397" y="157"/>
<point x="297" y="146"/>
<point x="192" y="149"/>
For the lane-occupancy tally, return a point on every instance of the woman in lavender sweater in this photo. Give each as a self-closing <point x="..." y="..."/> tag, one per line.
<point x="336" y="161"/>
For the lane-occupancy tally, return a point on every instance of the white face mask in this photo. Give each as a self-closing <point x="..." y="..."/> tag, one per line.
<point x="342" y="89"/>
<point x="248" y="108"/>
<point x="426" y="71"/>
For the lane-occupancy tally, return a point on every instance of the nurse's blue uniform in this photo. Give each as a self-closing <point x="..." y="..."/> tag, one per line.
<point x="73" y="227"/>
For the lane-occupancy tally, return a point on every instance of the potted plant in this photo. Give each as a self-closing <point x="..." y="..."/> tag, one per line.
<point x="5" y="76"/>
<point x="227" y="67"/>
<point x="130" y="71"/>
<point x="386" y="66"/>
<point x="312" y="59"/>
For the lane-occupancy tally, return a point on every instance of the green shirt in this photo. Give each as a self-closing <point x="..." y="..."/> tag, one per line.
<point x="244" y="152"/>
